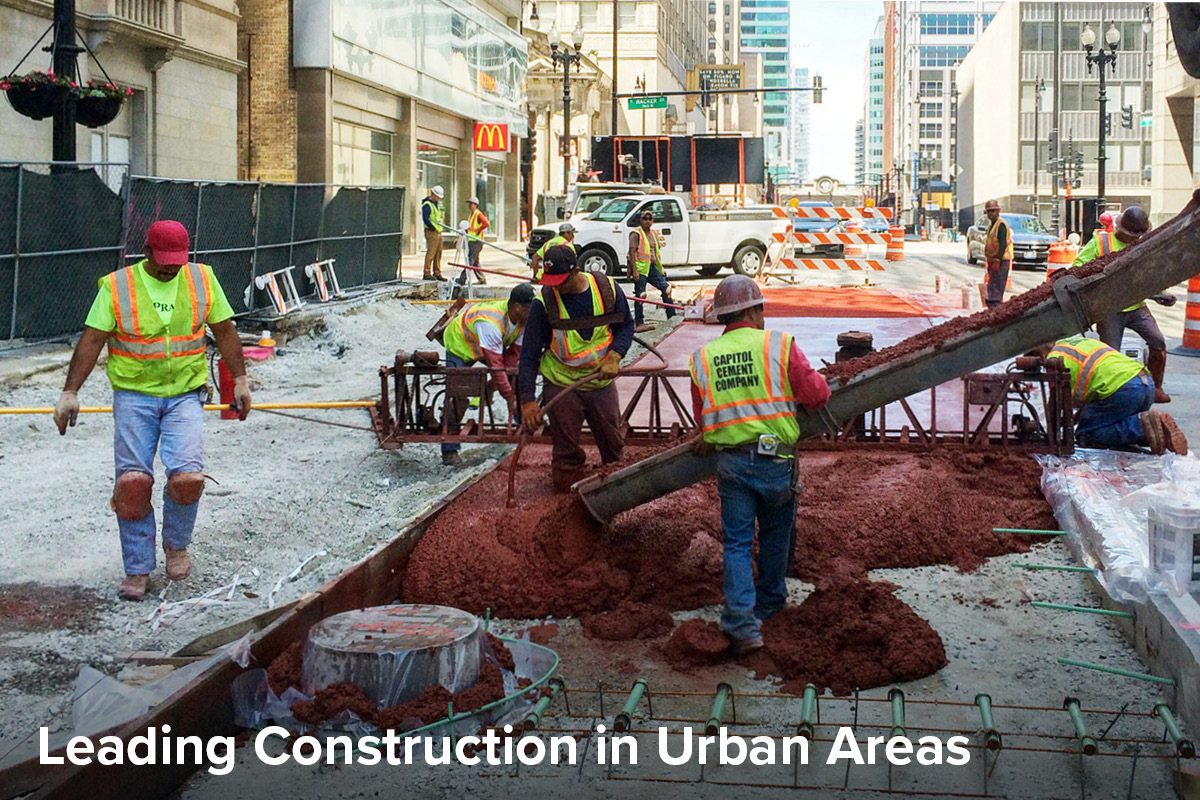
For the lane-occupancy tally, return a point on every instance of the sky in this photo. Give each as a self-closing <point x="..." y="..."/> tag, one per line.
<point x="830" y="38"/>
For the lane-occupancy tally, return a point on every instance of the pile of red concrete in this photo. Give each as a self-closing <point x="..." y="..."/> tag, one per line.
<point x="860" y="510"/>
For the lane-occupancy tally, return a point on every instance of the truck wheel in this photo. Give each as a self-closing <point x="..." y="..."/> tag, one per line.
<point x="708" y="270"/>
<point x="748" y="260"/>
<point x="970" y="258"/>
<point x="597" y="261"/>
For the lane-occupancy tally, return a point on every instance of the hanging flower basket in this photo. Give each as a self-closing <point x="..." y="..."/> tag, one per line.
<point x="99" y="103"/>
<point x="36" y="94"/>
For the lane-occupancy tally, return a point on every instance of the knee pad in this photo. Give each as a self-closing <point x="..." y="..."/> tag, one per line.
<point x="185" y="488"/>
<point x="131" y="495"/>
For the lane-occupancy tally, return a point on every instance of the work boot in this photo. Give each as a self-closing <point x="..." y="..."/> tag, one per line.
<point x="563" y="478"/>
<point x="1152" y="429"/>
<point x="451" y="459"/>
<point x="179" y="564"/>
<point x="643" y="327"/>
<point x="133" y="588"/>
<point x="1173" y="438"/>
<point x="746" y="646"/>
<point x="1156" y="364"/>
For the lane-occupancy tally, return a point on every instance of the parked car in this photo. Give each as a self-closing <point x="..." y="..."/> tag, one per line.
<point x="1031" y="240"/>
<point x="707" y="240"/>
<point x="818" y="225"/>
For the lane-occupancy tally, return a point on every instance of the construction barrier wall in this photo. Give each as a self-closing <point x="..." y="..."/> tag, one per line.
<point x="66" y="226"/>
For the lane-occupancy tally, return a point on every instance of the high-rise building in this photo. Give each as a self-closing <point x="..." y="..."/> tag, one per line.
<point x="933" y="38"/>
<point x="799" y="127"/>
<point x="860" y="160"/>
<point x="766" y="30"/>
<point x="1006" y="122"/>
<point x="873" y="109"/>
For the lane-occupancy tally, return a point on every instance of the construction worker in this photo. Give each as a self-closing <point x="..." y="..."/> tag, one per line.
<point x="477" y="223"/>
<point x="645" y="265"/>
<point x="490" y="332"/>
<point x="566" y="235"/>
<point x="745" y="387"/>
<point x="1130" y="227"/>
<point x="152" y="315"/>
<point x="431" y="217"/>
<point x="564" y="351"/>
<point x="1113" y="395"/>
<point x="998" y="250"/>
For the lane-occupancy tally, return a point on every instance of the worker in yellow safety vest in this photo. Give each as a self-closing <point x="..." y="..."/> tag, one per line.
<point x="1113" y="395"/>
<point x="998" y="251"/>
<point x="1131" y="226"/>
<point x="477" y="225"/>
<point x="579" y="328"/>
<point x="431" y="219"/>
<point x="646" y="266"/>
<point x="489" y="332"/>
<point x="746" y="386"/>
<point x="152" y="315"/>
<point x="566" y="236"/>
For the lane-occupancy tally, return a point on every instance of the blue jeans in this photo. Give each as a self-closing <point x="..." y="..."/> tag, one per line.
<point x="754" y="487"/>
<point x="1114" y="422"/>
<point x="659" y="281"/>
<point x="172" y="427"/>
<point x="455" y="407"/>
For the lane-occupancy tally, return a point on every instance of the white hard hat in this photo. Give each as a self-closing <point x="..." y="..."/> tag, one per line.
<point x="566" y="228"/>
<point x="736" y="293"/>
<point x="439" y="192"/>
<point x="473" y="199"/>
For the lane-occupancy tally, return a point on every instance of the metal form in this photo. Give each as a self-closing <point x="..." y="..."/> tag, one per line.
<point x="281" y="289"/>
<point x="324" y="275"/>
<point x="1073" y="304"/>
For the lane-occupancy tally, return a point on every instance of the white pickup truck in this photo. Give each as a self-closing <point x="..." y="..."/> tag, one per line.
<point x="707" y="240"/>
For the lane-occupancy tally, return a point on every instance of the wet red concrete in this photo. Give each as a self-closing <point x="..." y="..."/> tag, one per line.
<point x="35" y="607"/>
<point x="696" y="643"/>
<point x="630" y="620"/>
<point x="284" y="671"/>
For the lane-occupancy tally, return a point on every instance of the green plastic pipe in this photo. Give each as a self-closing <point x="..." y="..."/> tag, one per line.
<point x="808" y="708"/>
<point x="624" y="720"/>
<point x="718" y="708"/>
<point x="1086" y="743"/>
<point x="1106" y="612"/>
<point x="991" y="736"/>
<point x="896" y="696"/>
<point x="1057" y="567"/>
<point x="1183" y="745"/>
<point x="1141" y="676"/>
<point x="1030" y="531"/>
<point x="534" y="717"/>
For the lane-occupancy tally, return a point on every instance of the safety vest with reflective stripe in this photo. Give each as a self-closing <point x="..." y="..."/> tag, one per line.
<point x="435" y="213"/>
<point x="992" y="248"/>
<point x="745" y="392"/>
<point x="462" y="335"/>
<point x="647" y="252"/>
<point x="570" y="356"/>
<point x="554" y="241"/>
<point x="475" y="224"/>
<point x="146" y="356"/>
<point x="1097" y="370"/>
<point x="1111" y="244"/>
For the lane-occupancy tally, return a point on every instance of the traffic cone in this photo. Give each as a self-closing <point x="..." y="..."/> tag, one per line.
<point x="924" y="238"/>
<point x="1191" y="322"/>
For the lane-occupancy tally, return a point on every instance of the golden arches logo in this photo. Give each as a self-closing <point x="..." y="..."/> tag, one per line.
<point x="491" y="137"/>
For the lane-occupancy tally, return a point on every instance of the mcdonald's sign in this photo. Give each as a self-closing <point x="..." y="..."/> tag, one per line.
<point x="491" y="137"/>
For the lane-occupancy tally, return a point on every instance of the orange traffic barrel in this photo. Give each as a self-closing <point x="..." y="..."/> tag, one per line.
<point x="895" y="248"/>
<point x="853" y="250"/>
<point x="1191" y="318"/>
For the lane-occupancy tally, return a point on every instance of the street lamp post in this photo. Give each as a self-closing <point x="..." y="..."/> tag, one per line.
<point x="1102" y="59"/>
<point x="954" y="153"/>
<point x="1038" y="88"/>
<point x="566" y="54"/>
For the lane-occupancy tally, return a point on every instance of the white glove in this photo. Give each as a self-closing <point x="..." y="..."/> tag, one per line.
<point x="66" y="411"/>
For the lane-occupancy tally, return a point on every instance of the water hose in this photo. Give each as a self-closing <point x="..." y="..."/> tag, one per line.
<point x="516" y="456"/>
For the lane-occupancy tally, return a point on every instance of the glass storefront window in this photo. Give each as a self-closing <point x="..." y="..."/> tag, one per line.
<point x="437" y="165"/>
<point x="361" y="156"/>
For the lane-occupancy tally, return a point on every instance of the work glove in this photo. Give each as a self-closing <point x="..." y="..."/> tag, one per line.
<point x="531" y="416"/>
<point x="1164" y="299"/>
<point x="66" y="411"/>
<point x="701" y="447"/>
<point x="610" y="365"/>
<point x="241" y="397"/>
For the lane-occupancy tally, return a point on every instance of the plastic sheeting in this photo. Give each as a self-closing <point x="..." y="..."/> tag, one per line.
<point x="256" y="705"/>
<point x="1103" y="499"/>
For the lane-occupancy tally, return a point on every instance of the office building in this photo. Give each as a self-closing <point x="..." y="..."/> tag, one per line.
<point x="873" y="109"/>
<point x="766" y="31"/>
<point x="799" y="128"/>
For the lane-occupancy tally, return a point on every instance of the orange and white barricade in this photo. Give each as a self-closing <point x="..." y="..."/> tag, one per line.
<point x="281" y="289"/>
<point x="852" y="240"/>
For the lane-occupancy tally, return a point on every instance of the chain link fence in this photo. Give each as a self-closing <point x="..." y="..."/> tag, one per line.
<point x="72" y="224"/>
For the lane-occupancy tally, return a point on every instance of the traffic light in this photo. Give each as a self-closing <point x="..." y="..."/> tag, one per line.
<point x="818" y="86"/>
<point x="1108" y="124"/>
<point x="1127" y="117"/>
